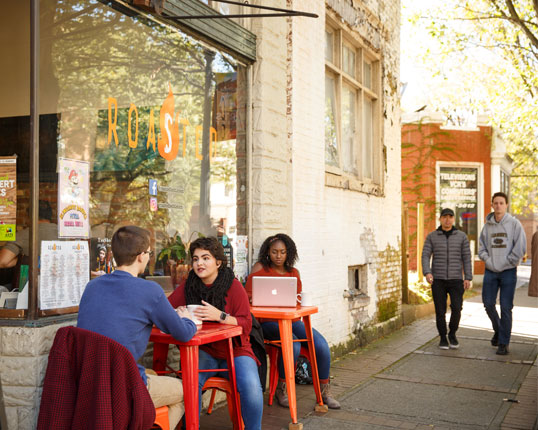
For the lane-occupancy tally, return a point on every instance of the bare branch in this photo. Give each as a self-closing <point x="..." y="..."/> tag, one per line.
<point x="530" y="35"/>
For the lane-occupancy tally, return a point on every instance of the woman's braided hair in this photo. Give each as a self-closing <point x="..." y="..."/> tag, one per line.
<point x="291" y="251"/>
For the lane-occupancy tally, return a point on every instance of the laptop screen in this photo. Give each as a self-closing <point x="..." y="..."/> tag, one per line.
<point x="275" y="291"/>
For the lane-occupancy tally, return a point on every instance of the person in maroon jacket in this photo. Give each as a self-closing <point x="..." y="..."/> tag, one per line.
<point x="212" y="284"/>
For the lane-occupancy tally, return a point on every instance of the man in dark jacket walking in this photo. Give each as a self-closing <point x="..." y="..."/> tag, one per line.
<point x="451" y="261"/>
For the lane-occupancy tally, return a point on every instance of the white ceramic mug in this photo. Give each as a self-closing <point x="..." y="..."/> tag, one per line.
<point x="191" y="309"/>
<point x="305" y="299"/>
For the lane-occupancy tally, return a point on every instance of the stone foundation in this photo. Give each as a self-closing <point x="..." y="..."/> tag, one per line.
<point x="23" y="363"/>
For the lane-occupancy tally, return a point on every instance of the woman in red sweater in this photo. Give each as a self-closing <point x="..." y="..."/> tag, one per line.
<point x="213" y="285"/>
<point x="277" y="257"/>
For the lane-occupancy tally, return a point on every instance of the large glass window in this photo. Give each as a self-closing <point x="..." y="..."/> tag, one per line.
<point x="352" y="107"/>
<point x="158" y="116"/>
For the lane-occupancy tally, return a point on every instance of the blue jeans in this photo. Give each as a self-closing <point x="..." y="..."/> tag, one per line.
<point x="248" y="385"/>
<point x="506" y="282"/>
<point x="323" y="353"/>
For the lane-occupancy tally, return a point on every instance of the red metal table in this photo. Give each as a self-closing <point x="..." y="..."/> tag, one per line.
<point x="285" y="317"/>
<point x="208" y="333"/>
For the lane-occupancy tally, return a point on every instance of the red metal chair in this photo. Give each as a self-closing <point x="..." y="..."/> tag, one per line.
<point x="274" y="352"/>
<point x="161" y="418"/>
<point x="222" y="384"/>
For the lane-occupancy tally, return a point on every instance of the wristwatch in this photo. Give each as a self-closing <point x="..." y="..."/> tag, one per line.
<point x="223" y="316"/>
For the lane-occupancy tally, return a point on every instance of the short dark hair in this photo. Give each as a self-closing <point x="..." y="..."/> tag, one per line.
<point x="291" y="251"/>
<point x="128" y="242"/>
<point x="500" y="194"/>
<point x="212" y="245"/>
<point x="45" y="210"/>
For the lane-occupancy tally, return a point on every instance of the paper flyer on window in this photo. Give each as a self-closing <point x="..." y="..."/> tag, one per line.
<point x="8" y="198"/>
<point x="241" y="258"/>
<point x="64" y="273"/>
<point x="73" y="198"/>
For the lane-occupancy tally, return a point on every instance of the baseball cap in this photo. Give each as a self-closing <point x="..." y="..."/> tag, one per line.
<point x="447" y="211"/>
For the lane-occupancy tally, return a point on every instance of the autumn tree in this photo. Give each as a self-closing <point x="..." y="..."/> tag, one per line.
<point x="482" y="57"/>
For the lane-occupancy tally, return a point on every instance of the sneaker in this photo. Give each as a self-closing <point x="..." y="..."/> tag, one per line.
<point x="443" y="343"/>
<point x="502" y="349"/>
<point x="453" y="342"/>
<point x="495" y="339"/>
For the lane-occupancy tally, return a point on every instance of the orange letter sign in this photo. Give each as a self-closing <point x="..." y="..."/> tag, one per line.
<point x="132" y="143"/>
<point x="169" y="141"/>
<point x="151" y="131"/>
<point x="112" y="124"/>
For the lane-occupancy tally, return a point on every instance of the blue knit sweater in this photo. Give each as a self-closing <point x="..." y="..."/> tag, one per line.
<point x="125" y="308"/>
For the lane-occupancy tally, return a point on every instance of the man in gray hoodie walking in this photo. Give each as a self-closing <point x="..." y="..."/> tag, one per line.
<point x="451" y="259"/>
<point x="502" y="246"/>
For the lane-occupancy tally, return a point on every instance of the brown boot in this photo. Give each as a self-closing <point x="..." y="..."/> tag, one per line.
<point x="327" y="397"/>
<point x="281" y="394"/>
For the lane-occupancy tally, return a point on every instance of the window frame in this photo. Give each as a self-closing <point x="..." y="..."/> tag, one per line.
<point x="337" y="176"/>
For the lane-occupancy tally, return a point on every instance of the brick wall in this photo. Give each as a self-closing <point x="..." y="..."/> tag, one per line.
<point x="328" y="224"/>
<point x="465" y="145"/>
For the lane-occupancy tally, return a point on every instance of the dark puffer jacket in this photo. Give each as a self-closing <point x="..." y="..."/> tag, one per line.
<point x="451" y="255"/>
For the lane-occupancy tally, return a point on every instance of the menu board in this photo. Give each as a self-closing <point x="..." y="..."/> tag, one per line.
<point x="8" y="198"/>
<point x="73" y="198"/>
<point x="64" y="273"/>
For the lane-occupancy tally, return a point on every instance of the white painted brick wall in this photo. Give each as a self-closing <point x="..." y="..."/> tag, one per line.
<point x="326" y="222"/>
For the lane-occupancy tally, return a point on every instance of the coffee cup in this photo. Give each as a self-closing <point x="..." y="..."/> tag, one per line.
<point x="305" y="299"/>
<point x="192" y="309"/>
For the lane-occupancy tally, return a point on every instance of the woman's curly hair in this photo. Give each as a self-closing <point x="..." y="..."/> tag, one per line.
<point x="291" y="251"/>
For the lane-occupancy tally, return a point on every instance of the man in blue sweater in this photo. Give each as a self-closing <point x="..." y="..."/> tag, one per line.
<point x="124" y="307"/>
<point x="451" y="261"/>
<point x="502" y="246"/>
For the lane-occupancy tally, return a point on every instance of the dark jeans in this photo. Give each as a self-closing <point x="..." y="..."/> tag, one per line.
<point x="440" y="289"/>
<point x="506" y="282"/>
<point x="323" y="352"/>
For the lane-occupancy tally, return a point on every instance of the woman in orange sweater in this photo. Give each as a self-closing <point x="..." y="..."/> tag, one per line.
<point x="277" y="257"/>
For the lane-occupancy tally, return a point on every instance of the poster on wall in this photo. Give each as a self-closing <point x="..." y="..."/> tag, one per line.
<point x="225" y="106"/>
<point x="459" y="192"/>
<point x="73" y="198"/>
<point x="64" y="273"/>
<point x="102" y="261"/>
<point x="8" y="198"/>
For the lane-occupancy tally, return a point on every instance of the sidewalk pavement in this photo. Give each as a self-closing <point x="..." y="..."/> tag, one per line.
<point x="404" y="381"/>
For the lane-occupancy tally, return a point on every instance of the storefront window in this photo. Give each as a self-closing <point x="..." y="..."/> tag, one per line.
<point x="157" y="117"/>
<point x="459" y="192"/>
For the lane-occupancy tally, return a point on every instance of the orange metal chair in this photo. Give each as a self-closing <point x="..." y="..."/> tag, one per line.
<point x="274" y="352"/>
<point x="161" y="418"/>
<point x="222" y="384"/>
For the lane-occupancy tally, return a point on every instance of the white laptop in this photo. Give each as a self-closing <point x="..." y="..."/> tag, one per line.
<point x="276" y="291"/>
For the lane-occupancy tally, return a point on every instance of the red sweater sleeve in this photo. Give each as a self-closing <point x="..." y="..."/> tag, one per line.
<point x="237" y="305"/>
<point x="177" y="298"/>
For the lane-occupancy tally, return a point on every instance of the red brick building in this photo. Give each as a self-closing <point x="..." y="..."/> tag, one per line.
<point x="455" y="167"/>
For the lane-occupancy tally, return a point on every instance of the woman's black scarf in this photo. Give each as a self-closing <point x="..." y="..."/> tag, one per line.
<point x="196" y="290"/>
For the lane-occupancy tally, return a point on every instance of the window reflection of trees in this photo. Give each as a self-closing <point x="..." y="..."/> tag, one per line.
<point x="91" y="52"/>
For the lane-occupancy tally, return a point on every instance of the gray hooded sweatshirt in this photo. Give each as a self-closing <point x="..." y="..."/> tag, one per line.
<point x="502" y="244"/>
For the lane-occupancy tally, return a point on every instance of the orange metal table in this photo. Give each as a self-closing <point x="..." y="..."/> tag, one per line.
<point x="285" y="317"/>
<point x="208" y="333"/>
